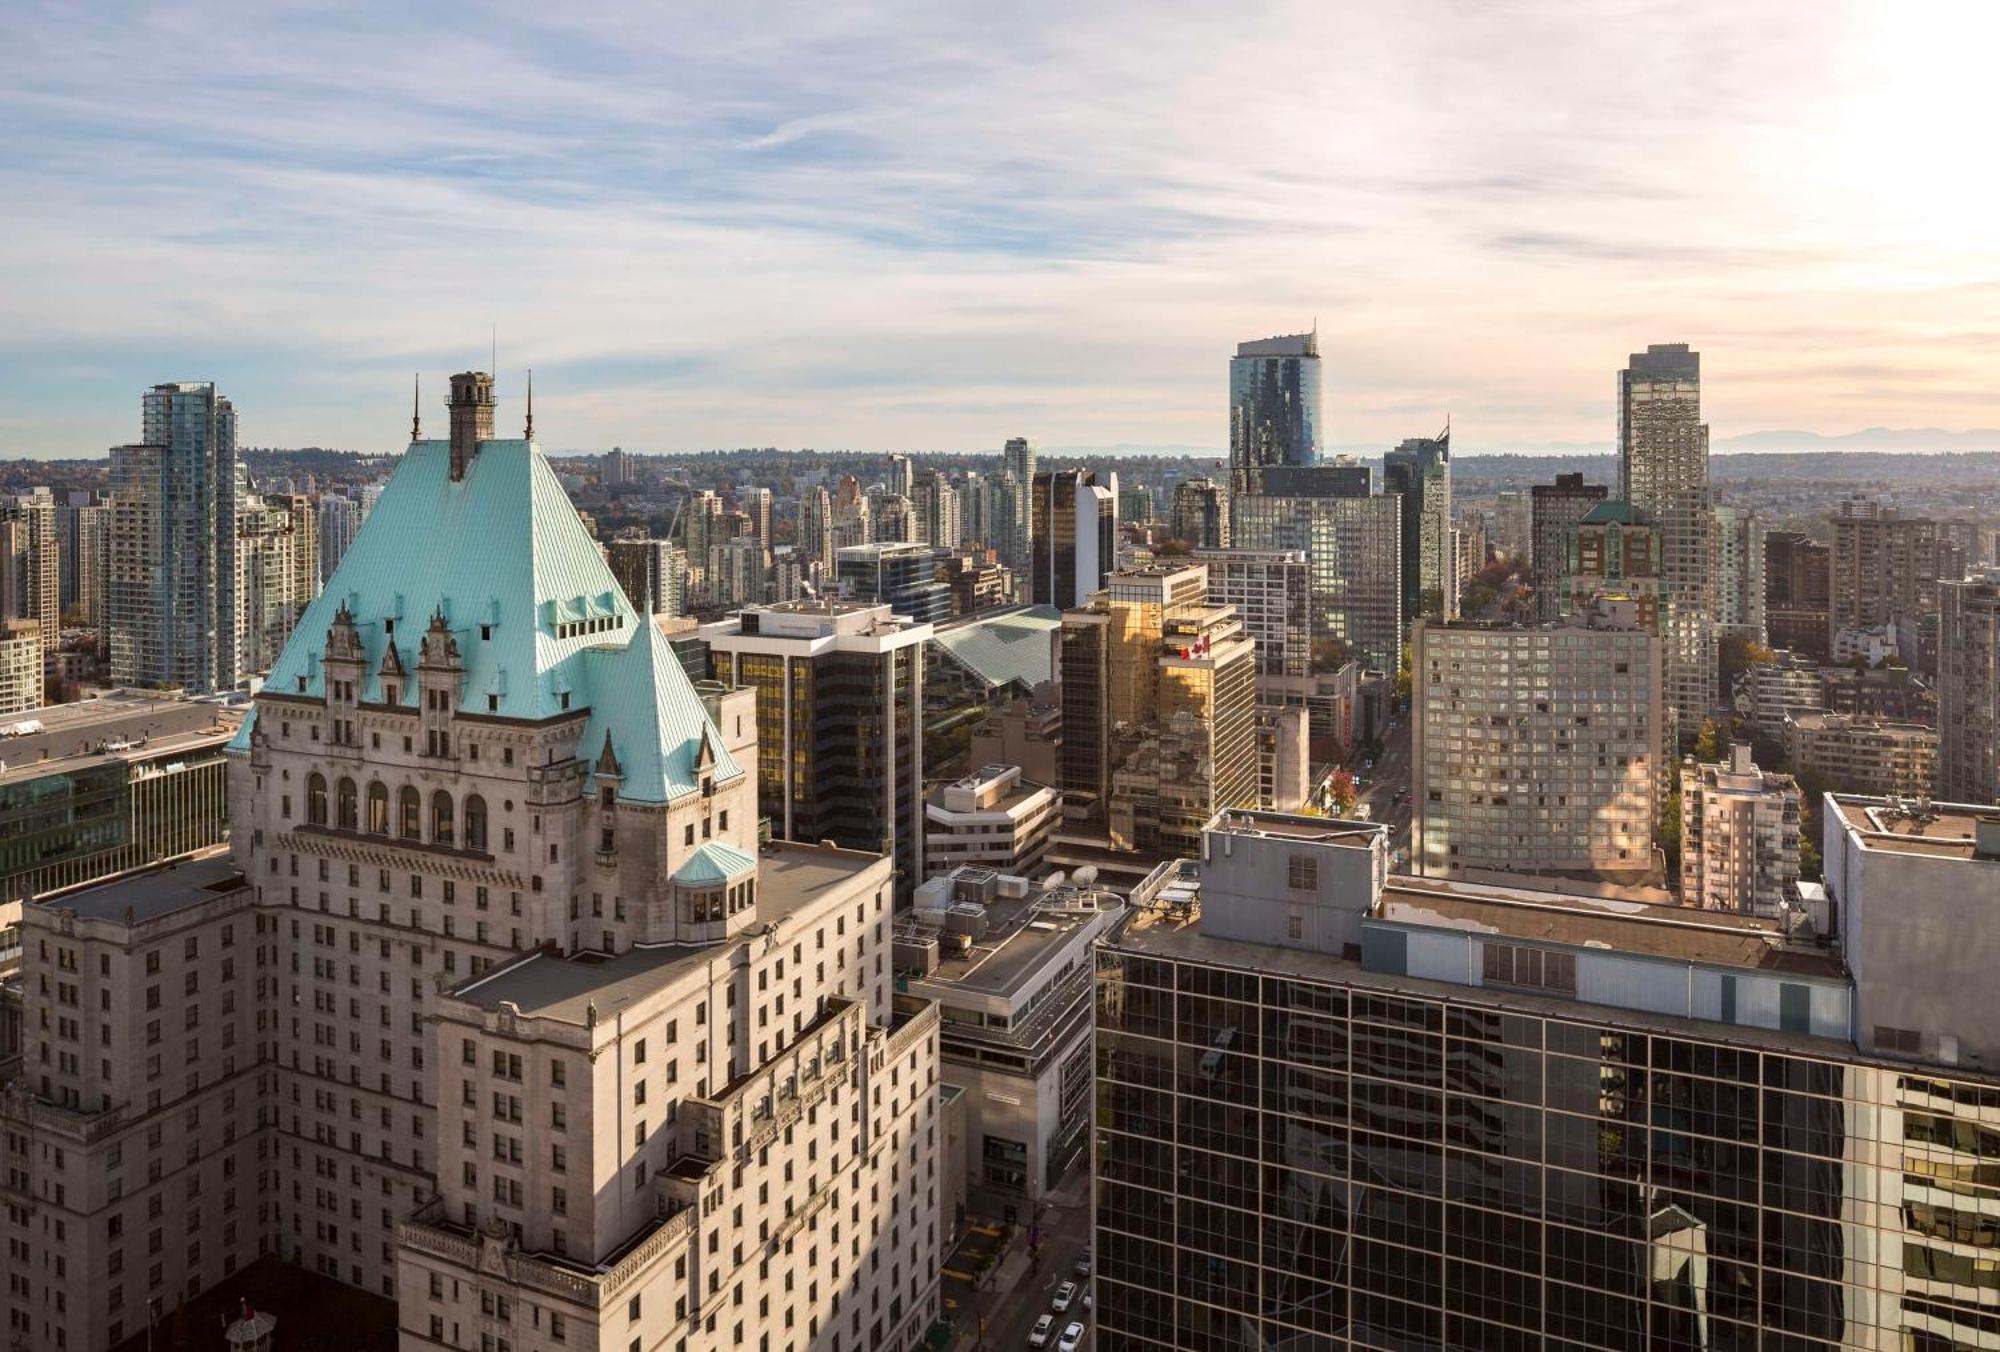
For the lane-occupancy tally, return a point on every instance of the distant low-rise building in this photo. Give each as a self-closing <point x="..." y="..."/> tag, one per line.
<point x="1767" y="693"/>
<point x="20" y="666"/>
<point x="1024" y="732"/>
<point x="1853" y="753"/>
<point x="990" y="818"/>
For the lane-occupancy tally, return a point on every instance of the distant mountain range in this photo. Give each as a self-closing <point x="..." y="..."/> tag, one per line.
<point x="1868" y="439"/>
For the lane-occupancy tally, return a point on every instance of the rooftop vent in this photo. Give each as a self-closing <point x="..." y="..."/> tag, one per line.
<point x="1986" y="837"/>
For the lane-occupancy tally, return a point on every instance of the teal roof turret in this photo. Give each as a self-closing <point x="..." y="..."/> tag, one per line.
<point x="500" y="561"/>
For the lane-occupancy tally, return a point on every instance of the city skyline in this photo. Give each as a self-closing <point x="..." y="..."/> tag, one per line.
<point x="821" y="212"/>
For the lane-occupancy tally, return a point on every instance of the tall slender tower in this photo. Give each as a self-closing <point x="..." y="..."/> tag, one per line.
<point x="471" y="418"/>
<point x="1274" y="406"/>
<point x="33" y="588"/>
<point x="171" y="571"/>
<point x="1663" y="471"/>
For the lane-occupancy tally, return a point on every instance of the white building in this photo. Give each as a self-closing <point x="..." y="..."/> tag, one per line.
<point x="1767" y="693"/>
<point x="1009" y="965"/>
<point x="1739" y="836"/>
<point x="20" y="666"/>
<point x="992" y="818"/>
<point x="1272" y="592"/>
<point x="1854" y="753"/>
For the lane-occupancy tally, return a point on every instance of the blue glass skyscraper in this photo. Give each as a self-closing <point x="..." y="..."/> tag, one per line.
<point x="1274" y="412"/>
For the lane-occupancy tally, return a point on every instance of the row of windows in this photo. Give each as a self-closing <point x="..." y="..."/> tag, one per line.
<point x="409" y="812"/>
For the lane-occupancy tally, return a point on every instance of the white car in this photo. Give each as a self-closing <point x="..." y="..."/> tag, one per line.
<point x="1064" y="1295"/>
<point x="1072" y="1338"/>
<point x="1039" y="1335"/>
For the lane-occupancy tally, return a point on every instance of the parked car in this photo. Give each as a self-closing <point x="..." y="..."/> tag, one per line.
<point x="1082" y="1269"/>
<point x="1064" y="1295"/>
<point x="1038" y="1336"/>
<point x="1072" y="1339"/>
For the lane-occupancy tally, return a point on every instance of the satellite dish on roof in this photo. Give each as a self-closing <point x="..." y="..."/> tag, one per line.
<point x="1085" y="875"/>
<point x="1056" y="879"/>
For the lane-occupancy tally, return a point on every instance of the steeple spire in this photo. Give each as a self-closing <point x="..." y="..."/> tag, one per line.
<point x="417" y="407"/>
<point x="529" y="435"/>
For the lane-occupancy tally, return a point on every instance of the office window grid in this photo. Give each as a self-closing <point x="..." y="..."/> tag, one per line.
<point x="1284" y="1162"/>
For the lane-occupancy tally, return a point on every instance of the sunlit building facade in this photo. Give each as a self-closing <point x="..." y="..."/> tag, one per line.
<point x="1339" y="1108"/>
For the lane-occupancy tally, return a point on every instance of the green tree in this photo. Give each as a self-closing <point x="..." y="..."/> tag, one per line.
<point x="1708" y="743"/>
<point x="1736" y="654"/>
<point x="1402" y="686"/>
<point x="1330" y="654"/>
<point x="1667" y="834"/>
<point x="1476" y="597"/>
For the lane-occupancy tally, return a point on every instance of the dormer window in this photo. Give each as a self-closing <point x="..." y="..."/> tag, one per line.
<point x="565" y="699"/>
<point x="492" y="704"/>
<point x="389" y="625"/>
<point x="389" y="693"/>
<point x="485" y="633"/>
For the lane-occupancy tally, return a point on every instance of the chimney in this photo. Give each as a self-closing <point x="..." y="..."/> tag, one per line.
<point x="471" y="417"/>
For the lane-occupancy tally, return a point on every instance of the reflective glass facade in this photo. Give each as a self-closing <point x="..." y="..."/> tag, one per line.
<point x="1286" y="1162"/>
<point x="1354" y="548"/>
<point x="1274" y="405"/>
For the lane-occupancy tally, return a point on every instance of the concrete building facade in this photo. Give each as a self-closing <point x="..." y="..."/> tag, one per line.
<point x="1853" y="753"/>
<point x="991" y="818"/>
<point x="1969" y="688"/>
<point x="498" y="1007"/>
<point x="1271" y="590"/>
<point x="1739" y="835"/>
<point x="1535" y="749"/>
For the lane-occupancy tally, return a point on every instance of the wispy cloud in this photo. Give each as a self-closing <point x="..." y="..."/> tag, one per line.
<point x="913" y="225"/>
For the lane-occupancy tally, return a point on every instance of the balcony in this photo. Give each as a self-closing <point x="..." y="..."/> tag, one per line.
<point x="594" y="1287"/>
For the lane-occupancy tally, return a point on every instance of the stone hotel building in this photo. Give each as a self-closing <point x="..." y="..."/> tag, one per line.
<point x="496" y="1007"/>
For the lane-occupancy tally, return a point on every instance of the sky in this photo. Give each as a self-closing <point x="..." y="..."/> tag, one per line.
<point x="931" y="226"/>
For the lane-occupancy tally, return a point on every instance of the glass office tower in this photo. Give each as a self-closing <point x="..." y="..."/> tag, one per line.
<point x="1339" y="1108"/>
<point x="1274" y="406"/>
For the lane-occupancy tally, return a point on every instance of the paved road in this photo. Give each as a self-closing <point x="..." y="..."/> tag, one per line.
<point x="1021" y="1294"/>
<point x="1389" y="778"/>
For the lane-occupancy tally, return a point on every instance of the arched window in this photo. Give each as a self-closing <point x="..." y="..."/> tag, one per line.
<point x="316" y="799"/>
<point x="378" y="808"/>
<point x="346" y="812"/>
<point x="475" y="822"/>
<point x="410" y="811"/>
<point x="441" y="817"/>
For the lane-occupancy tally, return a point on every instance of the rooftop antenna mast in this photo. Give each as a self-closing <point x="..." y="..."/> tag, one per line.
<point x="417" y="407"/>
<point x="529" y="435"/>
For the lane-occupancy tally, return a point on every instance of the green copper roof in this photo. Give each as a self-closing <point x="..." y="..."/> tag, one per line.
<point x="714" y="863"/>
<point x="1616" y="512"/>
<point x="540" y="623"/>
